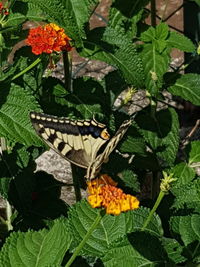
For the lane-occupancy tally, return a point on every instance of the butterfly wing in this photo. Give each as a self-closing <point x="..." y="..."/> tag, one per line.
<point x="111" y="145"/>
<point x="76" y="140"/>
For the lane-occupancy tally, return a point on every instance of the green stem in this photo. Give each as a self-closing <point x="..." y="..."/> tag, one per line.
<point x="9" y="214"/>
<point x="86" y="237"/>
<point x="2" y="220"/>
<point x="38" y="60"/>
<point x="67" y="70"/>
<point x="157" y="203"/>
<point x="76" y="183"/>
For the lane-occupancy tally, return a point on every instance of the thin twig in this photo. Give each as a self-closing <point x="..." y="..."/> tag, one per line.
<point x="191" y="133"/>
<point x="153" y="13"/>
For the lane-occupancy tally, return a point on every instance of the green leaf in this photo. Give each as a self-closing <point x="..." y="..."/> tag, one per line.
<point x="155" y="66"/>
<point x="139" y="249"/>
<point x="187" y="227"/>
<point x="196" y="1"/>
<point x="187" y="87"/>
<point x="130" y="179"/>
<point x="13" y="164"/>
<point x="115" y="48"/>
<point x="76" y="104"/>
<point x="184" y="173"/>
<point x="161" y="134"/>
<point x="15" y="106"/>
<point x="174" y="250"/>
<point x="148" y="35"/>
<point x="81" y="217"/>
<point x="193" y="152"/>
<point x="42" y="248"/>
<point x="14" y="20"/>
<point x="162" y="31"/>
<point x="125" y="17"/>
<point x="130" y="8"/>
<point x="187" y="196"/>
<point x="133" y="143"/>
<point x="180" y="42"/>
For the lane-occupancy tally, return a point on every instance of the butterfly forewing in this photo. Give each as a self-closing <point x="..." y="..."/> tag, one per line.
<point x="76" y="140"/>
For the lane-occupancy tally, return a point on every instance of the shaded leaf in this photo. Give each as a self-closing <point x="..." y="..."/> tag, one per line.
<point x="187" y="227"/>
<point x="139" y="249"/>
<point x="187" y="87"/>
<point x="161" y="134"/>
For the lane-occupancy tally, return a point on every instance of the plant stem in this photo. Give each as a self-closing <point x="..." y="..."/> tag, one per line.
<point x="8" y="215"/>
<point x="67" y="70"/>
<point x="153" y="13"/>
<point x="157" y="203"/>
<point x="2" y="220"/>
<point x="86" y="237"/>
<point x="38" y="60"/>
<point x="76" y="183"/>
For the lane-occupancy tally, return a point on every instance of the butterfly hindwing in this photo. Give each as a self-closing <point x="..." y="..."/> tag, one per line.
<point x="111" y="145"/>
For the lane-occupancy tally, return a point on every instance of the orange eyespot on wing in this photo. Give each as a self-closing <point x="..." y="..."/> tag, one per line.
<point x="105" y="135"/>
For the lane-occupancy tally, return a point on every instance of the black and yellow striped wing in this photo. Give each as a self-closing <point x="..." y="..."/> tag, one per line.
<point x="78" y="141"/>
<point x="110" y="146"/>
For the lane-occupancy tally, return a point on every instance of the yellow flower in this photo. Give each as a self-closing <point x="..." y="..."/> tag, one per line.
<point x="104" y="193"/>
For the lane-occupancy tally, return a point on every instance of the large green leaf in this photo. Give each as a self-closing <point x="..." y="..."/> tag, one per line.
<point x="193" y="152"/>
<point x="187" y="227"/>
<point x="139" y="249"/>
<point x="183" y="173"/>
<point x="187" y="87"/>
<point x="125" y="17"/>
<point x="117" y="49"/>
<point x="155" y="66"/>
<point x="174" y="250"/>
<point x="155" y="56"/>
<point x="181" y="42"/>
<point x="42" y="248"/>
<point x="15" y="106"/>
<point x="161" y="134"/>
<point x="187" y="196"/>
<point x="109" y="229"/>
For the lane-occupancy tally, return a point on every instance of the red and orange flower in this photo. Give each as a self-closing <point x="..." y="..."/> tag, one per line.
<point x="3" y="9"/>
<point x="47" y="39"/>
<point x="104" y="193"/>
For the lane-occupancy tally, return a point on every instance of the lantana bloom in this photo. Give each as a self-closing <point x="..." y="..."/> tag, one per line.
<point x="47" y="39"/>
<point x="104" y="193"/>
<point x="3" y="10"/>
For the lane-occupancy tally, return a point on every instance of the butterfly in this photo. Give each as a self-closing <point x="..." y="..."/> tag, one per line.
<point x="79" y="141"/>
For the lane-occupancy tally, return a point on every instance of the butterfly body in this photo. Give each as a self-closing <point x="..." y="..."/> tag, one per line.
<point x="79" y="141"/>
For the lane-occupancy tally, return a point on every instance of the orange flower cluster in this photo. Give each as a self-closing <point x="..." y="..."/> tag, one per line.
<point x="104" y="193"/>
<point x="48" y="38"/>
<point x="3" y="10"/>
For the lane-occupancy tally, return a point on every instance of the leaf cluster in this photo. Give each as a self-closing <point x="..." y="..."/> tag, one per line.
<point x="46" y="232"/>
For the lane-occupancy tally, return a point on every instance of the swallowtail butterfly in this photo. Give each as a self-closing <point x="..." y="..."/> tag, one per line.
<point x="78" y="141"/>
